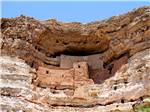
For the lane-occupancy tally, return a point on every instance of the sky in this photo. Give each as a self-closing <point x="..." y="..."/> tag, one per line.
<point x="69" y="11"/>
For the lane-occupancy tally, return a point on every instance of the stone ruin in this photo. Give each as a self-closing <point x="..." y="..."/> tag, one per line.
<point x="76" y="71"/>
<point x="59" y="78"/>
<point x="50" y="66"/>
<point x="95" y="66"/>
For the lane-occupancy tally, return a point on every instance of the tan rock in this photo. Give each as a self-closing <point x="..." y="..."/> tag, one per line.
<point x="39" y="42"/>
<point x="62" y="85"/>
<point x="129" y="83"/>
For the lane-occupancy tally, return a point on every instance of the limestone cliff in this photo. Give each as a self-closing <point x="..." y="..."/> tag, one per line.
<point x="48" y="66"/>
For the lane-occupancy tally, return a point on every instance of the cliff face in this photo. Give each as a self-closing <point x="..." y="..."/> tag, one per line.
<point x="54" y="66"/>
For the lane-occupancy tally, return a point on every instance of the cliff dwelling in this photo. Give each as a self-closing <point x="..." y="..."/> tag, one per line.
<point x="97" y="71"/>
<point x="51" y="66"/>
<point x="75" y="71"/>
<point x="64" y="78"/>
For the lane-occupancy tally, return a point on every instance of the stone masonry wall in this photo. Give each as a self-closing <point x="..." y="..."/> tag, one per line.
<point x="64" y="78"/>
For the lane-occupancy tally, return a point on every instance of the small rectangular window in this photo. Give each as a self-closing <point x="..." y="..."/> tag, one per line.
<point x="47" y="72"/>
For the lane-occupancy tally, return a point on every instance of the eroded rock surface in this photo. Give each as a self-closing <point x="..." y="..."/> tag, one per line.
<point x="50" y="66"/>
<point x="38" y="41"/>
<point x="43" y="43"/>
<point x="126" y="88"/>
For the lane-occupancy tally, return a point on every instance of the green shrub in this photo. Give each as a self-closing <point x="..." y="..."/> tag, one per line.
<point x="144" y="107"/>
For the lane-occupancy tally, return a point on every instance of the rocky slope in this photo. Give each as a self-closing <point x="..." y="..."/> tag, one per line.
<point x="51" y="66"/>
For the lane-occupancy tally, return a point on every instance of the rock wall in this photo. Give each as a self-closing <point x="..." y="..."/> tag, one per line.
<point x="130" y="85"/>
<point x="40" y="42"/>
<point x="50" y="66"/>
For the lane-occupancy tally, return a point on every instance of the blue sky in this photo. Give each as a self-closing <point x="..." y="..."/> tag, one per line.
<point x="79" y="11"/>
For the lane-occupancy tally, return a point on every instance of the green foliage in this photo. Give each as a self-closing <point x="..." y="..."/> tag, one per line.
<point x="144" y="107"/>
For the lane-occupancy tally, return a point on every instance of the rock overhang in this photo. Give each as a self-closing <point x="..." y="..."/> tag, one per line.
<point x="115" y="41"/>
